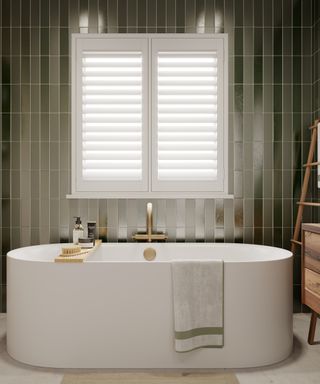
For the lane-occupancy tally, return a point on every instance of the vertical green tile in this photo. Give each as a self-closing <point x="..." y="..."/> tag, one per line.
<point x="258" y="99"/>
<point x="258" y="12"/>
<point x="267" y="13"/>
<point x="297" y="98"/>
<point x="103" y="14"/>
<point x="248" y="12"/>
<point x="54" y="41"/>
<point x="258" y="41"/>
<point x="296" y="41"/>
<point x="209" y="16"/>
<point x="229" y="15"/>
<point x="93" y="16"/>
<point x="238" y="13"/>
<point x="161" y="16"/>
<point x="277" y="65"/>
<point x="44" y="41"/>
<point x="151" y="16"/>
<point x="45" y="13"/>
<point x="238" y="98"/>
<point x="277" y="41"/>
<point x="3" y="293"/>
<point x="296" y="13"/>
<point x="258" y="212"/>
<point x="112" y="16"/>
<point x="258" y="69"/>
<point x="6" y="13"/>
<point x="190" y="16"/>
<point x="5" y="42"/>
<point x="54" y="13"/>
<point x="63" y="13"/>
<point x="142" y="15"/>
<point x="219" y="15"/>
<point x="277" y="126"/>
<point x="277" y="13"/>
<point x="16" y="15"/>
<point x="180" y="16"/>
<point x="238" y="67"/>
<point x="277" y="98"/>
<point x="171" y="16"/>
<point x="238" y="41"/>
<point x="287" y="13"/>
<point x="74" y="14"/>
<point x="122" y="16"/>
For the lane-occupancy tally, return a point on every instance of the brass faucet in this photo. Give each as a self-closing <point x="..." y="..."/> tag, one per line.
<point x="149" y="236"/>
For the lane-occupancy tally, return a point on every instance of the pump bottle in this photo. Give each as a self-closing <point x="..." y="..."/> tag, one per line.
<point x="78" y="230"/>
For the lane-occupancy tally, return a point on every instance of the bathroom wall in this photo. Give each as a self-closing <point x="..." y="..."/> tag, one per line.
<point x="270" y="107"/>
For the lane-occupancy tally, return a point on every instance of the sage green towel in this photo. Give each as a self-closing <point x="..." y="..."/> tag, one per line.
<point x="198" y="304"/>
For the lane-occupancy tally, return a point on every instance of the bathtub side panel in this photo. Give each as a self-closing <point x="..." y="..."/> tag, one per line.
<point x="120" y="315"/>
<point x="88" y="315"/>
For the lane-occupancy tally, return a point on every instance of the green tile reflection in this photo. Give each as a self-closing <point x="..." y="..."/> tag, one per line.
<point x="238" y="68"/>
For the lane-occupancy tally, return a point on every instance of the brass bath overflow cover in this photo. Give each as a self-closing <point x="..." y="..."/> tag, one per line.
<point x="149" y="254"/>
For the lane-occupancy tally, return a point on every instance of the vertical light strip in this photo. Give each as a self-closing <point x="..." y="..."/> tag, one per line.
<point x="187" y="116"/>
<point x="112" y="116"/>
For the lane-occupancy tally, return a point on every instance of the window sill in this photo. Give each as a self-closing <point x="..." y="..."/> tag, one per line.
<point x="149" y="195"/>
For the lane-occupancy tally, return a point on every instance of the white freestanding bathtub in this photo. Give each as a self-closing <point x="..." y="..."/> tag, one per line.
<point x="115" y="310"/>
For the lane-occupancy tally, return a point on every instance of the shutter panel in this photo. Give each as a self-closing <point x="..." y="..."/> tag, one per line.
<point x="111" y="116"/>
<point x="187" y="116"/>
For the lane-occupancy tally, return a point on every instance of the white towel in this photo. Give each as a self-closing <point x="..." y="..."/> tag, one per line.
<point x="198" y="304"/>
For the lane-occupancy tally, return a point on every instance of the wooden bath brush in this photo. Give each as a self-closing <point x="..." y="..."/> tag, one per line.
<point x="75" y="254"/>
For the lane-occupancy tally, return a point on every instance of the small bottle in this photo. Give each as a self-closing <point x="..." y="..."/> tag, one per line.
<point x="78" y="230"/>
<point x="92" y="230"/>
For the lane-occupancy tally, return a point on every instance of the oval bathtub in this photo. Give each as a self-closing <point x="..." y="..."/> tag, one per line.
<point x="115" y="310"/>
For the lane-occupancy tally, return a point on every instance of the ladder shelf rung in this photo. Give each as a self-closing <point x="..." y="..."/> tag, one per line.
<point x="308" y="203"/>
<point x="296" y="242"/>
<point x="315" y="125"/>
<point x="312" y="164"/>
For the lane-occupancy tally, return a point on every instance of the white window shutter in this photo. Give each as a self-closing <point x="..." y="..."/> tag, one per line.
<point x="188" y="116"/>
<point x="112" y="116"/>
<point x="112" y="125"/>
<point x="149" y="115"/>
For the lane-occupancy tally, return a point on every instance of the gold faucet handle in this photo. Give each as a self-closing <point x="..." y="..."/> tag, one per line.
<point x="147" y="237"/>
<point x="140" y="236"/>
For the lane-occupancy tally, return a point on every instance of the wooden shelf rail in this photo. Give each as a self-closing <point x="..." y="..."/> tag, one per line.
<point x="303" y="203"/>
<point x="304" y="189"/>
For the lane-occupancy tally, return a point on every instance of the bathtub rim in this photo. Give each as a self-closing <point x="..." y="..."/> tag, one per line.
<point x="277" y="253"/>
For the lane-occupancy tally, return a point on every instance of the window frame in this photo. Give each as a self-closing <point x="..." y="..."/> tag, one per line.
<point x="150" y="134"/>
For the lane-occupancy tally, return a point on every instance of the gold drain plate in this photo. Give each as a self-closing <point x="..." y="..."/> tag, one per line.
<point x="149" y="254"/>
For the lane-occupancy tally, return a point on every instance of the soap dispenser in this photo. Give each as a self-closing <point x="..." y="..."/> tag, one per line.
<point x="78" y="230"/>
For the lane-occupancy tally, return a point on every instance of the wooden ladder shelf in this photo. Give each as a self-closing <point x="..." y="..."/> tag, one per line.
<point x="303" y="203"/>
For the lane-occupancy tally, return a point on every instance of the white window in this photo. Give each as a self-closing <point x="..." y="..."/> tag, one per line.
<point x="149" y="115"/>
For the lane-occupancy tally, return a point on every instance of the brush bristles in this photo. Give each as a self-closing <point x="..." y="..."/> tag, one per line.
<point x="71" y="250"/>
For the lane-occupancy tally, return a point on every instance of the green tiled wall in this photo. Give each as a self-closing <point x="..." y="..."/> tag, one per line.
<point x="273" y="97"/>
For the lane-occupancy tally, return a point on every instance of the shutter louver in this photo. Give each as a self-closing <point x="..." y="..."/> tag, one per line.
<point x="111" y="116"/>
<point x="187" y="121"/>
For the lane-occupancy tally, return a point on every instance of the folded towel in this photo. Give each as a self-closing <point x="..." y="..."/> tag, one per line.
<point x="198" y="304"/>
